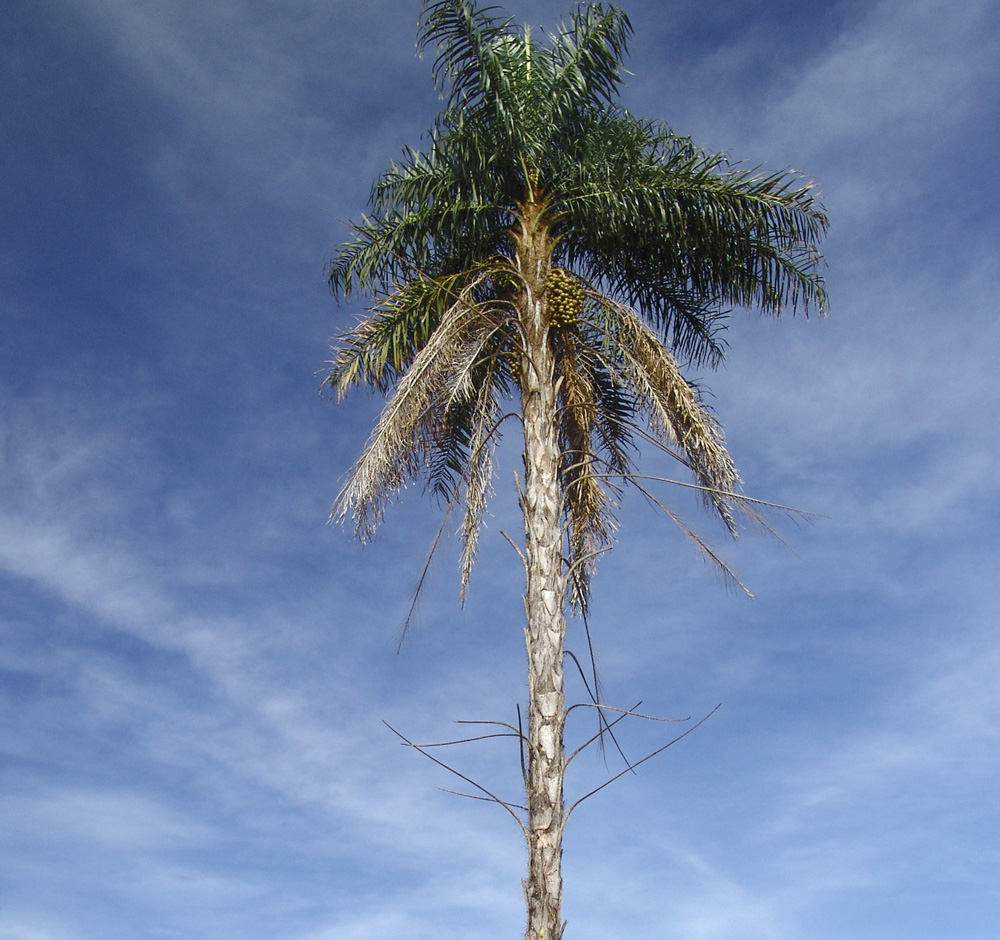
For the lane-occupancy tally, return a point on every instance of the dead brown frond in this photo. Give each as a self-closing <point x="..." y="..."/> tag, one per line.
<point x="416" y="414"/>
<point x="588" y="507"/>
<point x="673" y="407"/>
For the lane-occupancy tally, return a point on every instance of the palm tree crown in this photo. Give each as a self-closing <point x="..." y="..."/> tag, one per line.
<point x="548" y="247"/>
<point x="653" y="239"/>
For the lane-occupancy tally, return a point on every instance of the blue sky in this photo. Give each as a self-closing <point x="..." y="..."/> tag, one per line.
<point x="194" y="668"/>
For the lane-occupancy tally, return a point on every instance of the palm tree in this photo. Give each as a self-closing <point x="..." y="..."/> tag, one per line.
<point x="552" y="255"/>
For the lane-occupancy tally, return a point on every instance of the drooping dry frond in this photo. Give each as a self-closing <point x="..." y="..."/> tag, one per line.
<point x="589" y="513"/>
<point x="671" y="404"/>
<point x="382" y="346"/>
<point x="478" y="472"/>
<point x="416" y="418"/>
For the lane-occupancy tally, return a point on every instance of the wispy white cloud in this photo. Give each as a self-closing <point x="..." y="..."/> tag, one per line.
<point x="900" y="73"/>
<point x="248" y="99"/>
<point x="108" y="821"/>
<point x="254" y="719"/>
<point x="31" y="925"/>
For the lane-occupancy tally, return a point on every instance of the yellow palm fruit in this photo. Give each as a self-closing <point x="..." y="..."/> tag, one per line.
<point x="514" y="363"/>
<point x="565" y="298"/>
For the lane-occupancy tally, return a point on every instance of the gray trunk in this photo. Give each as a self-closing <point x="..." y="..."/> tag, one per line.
<point x="544" y="597"/>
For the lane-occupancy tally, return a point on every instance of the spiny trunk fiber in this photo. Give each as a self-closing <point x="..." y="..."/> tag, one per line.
<point x="544" y="600"/>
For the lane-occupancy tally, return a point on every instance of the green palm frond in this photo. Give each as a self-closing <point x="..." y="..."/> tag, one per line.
<point x="680" y="236"/>
<point x="586" y="59"/>
<point x="470" y="65"/>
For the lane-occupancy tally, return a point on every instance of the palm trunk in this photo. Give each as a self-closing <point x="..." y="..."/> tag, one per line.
<point x="544" y="599"/>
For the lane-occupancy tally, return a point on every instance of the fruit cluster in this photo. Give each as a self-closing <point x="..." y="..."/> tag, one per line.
<point x="513" y="360"/>
<point x="565" y="298"/>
